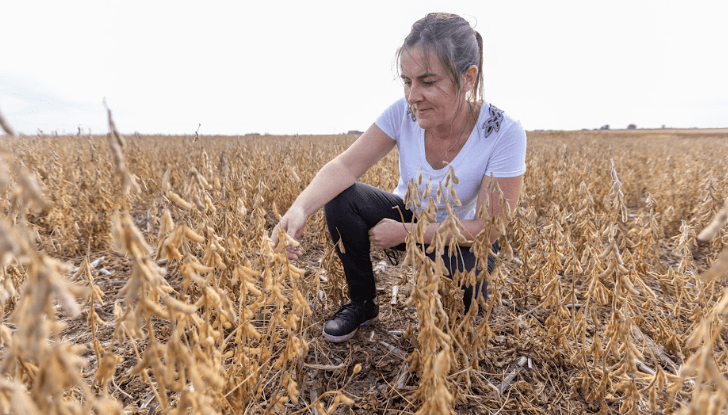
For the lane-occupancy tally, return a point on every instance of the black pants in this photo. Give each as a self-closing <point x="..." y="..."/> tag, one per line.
<point x="359" y="208"/>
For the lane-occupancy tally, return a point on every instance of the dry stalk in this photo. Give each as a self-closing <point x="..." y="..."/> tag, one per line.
<point x="509" y="379"/>
<point x="39" y="369"/>
<point x="710" y="392"/>
<point x="432" y="358"/>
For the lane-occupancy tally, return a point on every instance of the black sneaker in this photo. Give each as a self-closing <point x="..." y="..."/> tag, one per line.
<point x="342" y="325"/>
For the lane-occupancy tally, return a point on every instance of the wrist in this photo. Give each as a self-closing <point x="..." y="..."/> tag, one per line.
<point x="297" y="208"/>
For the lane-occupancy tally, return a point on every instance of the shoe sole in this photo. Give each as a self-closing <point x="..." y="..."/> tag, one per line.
<point x="345" y="337"/>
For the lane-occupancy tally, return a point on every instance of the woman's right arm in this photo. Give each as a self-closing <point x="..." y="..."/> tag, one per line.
<point x="335" y="177"/>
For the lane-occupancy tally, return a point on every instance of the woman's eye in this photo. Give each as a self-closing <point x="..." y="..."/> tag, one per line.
<point x="423" y="83"/>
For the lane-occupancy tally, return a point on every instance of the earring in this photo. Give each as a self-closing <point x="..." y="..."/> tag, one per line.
<point x="411" y="113"/>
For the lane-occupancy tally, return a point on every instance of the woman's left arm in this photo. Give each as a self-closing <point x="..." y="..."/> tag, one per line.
<point x="389" y="233"/>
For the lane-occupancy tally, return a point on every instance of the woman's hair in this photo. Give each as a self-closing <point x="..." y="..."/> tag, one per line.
<point x="457" y="45"/>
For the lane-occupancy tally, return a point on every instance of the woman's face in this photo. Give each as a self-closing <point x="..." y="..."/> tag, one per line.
<point x="429" y="90"/>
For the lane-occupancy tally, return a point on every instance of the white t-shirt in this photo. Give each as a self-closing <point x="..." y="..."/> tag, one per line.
<point x="496" y="147"/>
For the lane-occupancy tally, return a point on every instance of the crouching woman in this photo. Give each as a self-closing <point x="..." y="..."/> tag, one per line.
<point x="442" y="122"/>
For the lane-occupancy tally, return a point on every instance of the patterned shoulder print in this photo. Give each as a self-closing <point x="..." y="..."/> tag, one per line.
<point x="411" y="114"/>
<point x="494" y="120"/>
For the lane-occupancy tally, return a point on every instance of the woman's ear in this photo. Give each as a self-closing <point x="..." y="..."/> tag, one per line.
<point x="469" y="77"/>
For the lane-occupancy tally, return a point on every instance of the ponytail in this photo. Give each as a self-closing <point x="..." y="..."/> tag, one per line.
<point x="478" y="93"/>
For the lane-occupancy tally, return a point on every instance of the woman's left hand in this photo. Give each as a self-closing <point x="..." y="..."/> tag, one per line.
<point x="387" y="233"/>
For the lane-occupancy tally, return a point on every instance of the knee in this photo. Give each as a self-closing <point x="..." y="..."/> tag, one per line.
<point x="340" y="203"/>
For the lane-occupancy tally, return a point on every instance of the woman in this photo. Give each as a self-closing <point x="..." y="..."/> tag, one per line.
<point x="441" y="122"/>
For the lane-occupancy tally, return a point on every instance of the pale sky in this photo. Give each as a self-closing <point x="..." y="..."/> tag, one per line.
<point x="308" y="67"/>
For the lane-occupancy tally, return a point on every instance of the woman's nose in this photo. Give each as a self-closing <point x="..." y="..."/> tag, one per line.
<point x="413" y="94"/>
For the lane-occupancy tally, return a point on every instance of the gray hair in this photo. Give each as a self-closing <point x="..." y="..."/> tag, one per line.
<point x="457" y="45"/>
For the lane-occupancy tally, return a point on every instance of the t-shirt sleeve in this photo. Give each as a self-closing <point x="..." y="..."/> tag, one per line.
<point x="390" y="121"/>
<point x="509" y="155"/>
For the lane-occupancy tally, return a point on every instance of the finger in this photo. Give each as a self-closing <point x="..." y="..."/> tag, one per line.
<point x="286" y="230"/>
<point x="274" y="234"/>
<point x="291" y="248"/>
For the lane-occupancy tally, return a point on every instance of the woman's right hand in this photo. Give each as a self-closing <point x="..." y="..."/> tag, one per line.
<point x="332" y="179"/>
<point x="292" y="223"/>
